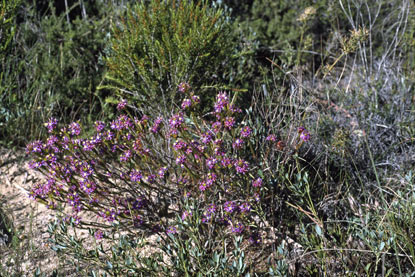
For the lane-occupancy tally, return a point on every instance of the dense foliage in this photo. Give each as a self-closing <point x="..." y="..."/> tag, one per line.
<point x="162" y="43"/>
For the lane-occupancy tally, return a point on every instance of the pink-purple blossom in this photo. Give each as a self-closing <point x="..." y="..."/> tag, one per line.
<point x="162" y="171"/>
<point x="74" y="129"/>
<point x="229" y="122"/>
<point x="157" y="125"/>
<point x="241" y="166"/>
<point x="237" y="143"/>
<point x="217" y="126"/>
<point x="221" y="102"/>
<point x="245" y="207"/>
<point x="246" y="132"/>
<point x="179" y="145"/>
<point x="180" y="160"/>
<point x="183" y="87"/>
<point x="51" y="124"/>
<point x="186" y="103"/>
<point x="211" y="162"/>
<point x="176" y="120"/>
<point x="229" y="206"/>
<point x="121" y="105"/>
<point x="257" y="183"/>
<point x="136" y="175"/>
<point x="195" y="99"/>
<point x="271" y="137"/>
<point x="98" y="235"/>
<point x="186" y="214"/>
<point x="237" y="228"/>
<point x="305" y="135"/>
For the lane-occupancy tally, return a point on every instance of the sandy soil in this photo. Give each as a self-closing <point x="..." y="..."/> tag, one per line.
<point x="30" y="219"/>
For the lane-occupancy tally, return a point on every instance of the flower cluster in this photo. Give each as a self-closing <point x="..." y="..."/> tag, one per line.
<point x="115" y="173"/>
<point x="304" y="134"/>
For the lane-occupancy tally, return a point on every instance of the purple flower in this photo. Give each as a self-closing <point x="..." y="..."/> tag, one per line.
<point x="180" y="160"/>
<point x="257" y="183"/>
<point x="203" y="185"/>
<point x="110" y="215"/>
<point x="122" y="122"/>
<point x="246" y="132"/>
<point x="241" y="166"/>
<point x="135" y="176"/>
<point x="184" y="87"/>
<point x="121" y="105"/>
<point x="51" y="140"/>
<point x="85" y="169"/>
<point x="216" y="126"/>
<point x="226" y="162"/>
<point x="206" y="137"/>
<point x="76" y="219"/>
<point x="237" y="143"/>
<point x="186" y="214"/>
<point x="35" y="147"/>
<point x="156" y="126"/>
<point x="99" y="126"/>
<point x="305" y="135"/>
<point x="238" y="228"/>
<point x="245" y="207"/>
<point x="211" y="178"/>
<point x="162" y="172"/>
<point x="74" y="129"/>
<point x="229" y="122"/>
<point x="73" y="199"/>
<point x="98" y="235"/>
<point x="221" y="102"/>
<point x="210" y="211"/>
<point x="126" y="156"/>
<point x="88" y="186"/>
<point x="51" y="124"/>
<point x="96" y="139"/>
<point x="210" y="162"/>
<point x="176" y="120"/>
<point x="235" y="109"/>
<point x="108" y="136"/>
<point x="179" y="144"/>
<point x="171" y="230"/>
<point x="186" y="103"/>
<point x="196" y="99"/>
<point x="151" y="179"/>
<point x="182" y="181"/>
<point x="87" y="145"/>
<point x="271" y="138"/>
<point x="229" y="206"/>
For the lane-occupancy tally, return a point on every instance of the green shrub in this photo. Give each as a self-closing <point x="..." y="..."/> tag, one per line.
<point x="160" y="44"/>
<point x="52" y="69"/>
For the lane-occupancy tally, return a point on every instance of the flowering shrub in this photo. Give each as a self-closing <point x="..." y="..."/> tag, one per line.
<point x="136" y="171"/>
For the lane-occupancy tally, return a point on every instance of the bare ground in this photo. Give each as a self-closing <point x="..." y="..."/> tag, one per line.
<point x="29" y="250"/>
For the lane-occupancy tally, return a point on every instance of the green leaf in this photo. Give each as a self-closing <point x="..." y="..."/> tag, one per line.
<point x="318" y="230"/>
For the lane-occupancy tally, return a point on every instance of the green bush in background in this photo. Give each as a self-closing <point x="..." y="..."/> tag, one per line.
<point x="160" y="44"/>
<point x="52" y="69"/>
<point x="8" y="12"/>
